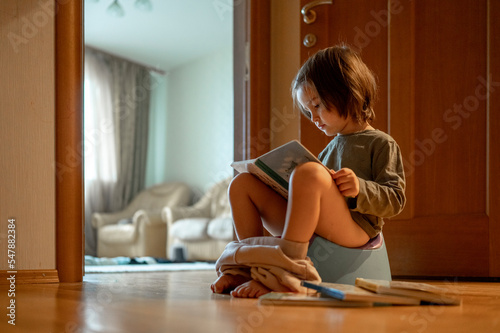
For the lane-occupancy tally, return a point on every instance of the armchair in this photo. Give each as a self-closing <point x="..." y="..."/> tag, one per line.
<point x="139" y="230"/>
<point x="203" y="229"/>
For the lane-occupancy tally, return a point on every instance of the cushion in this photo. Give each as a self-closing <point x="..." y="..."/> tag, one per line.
<point x="190" y="229"/>
<point x="221" y="228"/>
<point x="117" y="234"/>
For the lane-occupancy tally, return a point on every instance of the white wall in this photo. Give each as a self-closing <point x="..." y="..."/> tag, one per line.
<point x="199" y="121"/>
<point x="157" y="140"/>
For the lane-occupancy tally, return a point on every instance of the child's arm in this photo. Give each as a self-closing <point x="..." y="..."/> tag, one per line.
<point x="384" y="196"/>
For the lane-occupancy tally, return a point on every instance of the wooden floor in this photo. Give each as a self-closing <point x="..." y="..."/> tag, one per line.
<point x="183" y="302"/>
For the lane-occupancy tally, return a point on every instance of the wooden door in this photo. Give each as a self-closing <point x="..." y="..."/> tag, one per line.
<point x="438" y="68"/>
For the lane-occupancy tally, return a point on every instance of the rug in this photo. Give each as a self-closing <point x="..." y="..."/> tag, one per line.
<point x="141" y="264"/>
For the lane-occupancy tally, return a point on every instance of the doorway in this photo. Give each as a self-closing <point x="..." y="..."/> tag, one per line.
<point x="187" y="47"/>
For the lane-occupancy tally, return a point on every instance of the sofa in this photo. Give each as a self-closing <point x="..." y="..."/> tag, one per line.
<point x="200" y="231"/>
<point x="138" y="230"/>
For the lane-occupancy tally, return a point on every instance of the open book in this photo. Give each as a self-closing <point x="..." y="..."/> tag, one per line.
<point x="275" y="167"/>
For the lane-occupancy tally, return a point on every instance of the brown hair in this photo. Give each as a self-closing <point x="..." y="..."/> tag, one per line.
<point x="342" y="80"/>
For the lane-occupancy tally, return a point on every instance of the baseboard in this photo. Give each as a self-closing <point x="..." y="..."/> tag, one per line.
<point x="29" y="276"/>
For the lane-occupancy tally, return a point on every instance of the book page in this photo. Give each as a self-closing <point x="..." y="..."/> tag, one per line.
<point x="284" y="159"/>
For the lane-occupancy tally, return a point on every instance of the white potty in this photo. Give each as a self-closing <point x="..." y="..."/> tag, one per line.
<point x="338" y="264"/>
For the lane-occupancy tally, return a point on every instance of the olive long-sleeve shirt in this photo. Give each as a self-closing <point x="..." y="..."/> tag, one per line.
<point x="375" y="158"/>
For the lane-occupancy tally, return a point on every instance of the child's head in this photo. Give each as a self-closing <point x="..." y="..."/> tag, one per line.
<point x="342" y="80"/>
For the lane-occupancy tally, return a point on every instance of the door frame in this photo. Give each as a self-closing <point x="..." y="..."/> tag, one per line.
<point x="252" y="78"/>
<point x="69" y="140"/>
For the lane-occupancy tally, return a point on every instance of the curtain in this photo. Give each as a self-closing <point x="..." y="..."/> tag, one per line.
<point x="116" y="117"/>
<point x="131" y="96"/>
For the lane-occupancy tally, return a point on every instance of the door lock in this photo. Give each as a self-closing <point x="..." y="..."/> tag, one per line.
<point x="310" y="40"/>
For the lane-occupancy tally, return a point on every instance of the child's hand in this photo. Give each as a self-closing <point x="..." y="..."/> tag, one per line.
<point x="346" y="181"/>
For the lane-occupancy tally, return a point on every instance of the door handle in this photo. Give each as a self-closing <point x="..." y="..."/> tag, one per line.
<point x="309" y="14"/>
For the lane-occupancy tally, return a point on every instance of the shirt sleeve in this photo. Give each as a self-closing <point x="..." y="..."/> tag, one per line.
<point x="384" y="196"/>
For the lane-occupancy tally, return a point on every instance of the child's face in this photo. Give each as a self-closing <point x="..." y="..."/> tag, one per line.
<point x="327" y="120"/>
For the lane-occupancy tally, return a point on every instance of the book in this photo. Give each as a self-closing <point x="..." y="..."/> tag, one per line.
<point x="275" y="167"/>
<point x="295" y="299"/>
<point x="421" y="291"/>
<point x="346" y="292"/>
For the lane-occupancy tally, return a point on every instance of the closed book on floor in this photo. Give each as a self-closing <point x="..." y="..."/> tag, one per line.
<point x="347" y="292"/>
<point x="422" y="291"/>
<point x="295" y="299"/>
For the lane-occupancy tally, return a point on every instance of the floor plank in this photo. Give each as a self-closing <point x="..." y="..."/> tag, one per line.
<point x="183" y="302"/>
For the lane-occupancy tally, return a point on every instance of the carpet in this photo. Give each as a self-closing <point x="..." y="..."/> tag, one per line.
<point x="142" y="264"/>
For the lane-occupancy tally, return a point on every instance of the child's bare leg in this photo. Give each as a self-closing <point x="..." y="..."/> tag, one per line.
<point x="255" y="205"/>
<point x="227" y="282"/>
<point x="315" y="205"/>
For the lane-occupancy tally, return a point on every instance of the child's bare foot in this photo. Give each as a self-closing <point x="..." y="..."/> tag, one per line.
<point x="227" y="282"/>
<point x="250" y="289"/>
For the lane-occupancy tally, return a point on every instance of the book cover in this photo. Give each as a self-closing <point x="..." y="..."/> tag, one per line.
<point x="295" y="299"/>
<point x="347" y="292"/>
<point x="422" y="291"/>
<point x="275" y="167"/>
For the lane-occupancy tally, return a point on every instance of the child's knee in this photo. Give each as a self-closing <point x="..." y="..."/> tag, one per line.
<point x="312" y="173"/>
<point x="240" y="182"/>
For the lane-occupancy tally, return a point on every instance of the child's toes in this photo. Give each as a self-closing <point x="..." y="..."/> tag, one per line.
<point x="250" y="289"/>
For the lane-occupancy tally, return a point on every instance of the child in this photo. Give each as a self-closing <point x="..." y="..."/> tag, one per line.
<point x="366" y="183"/>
